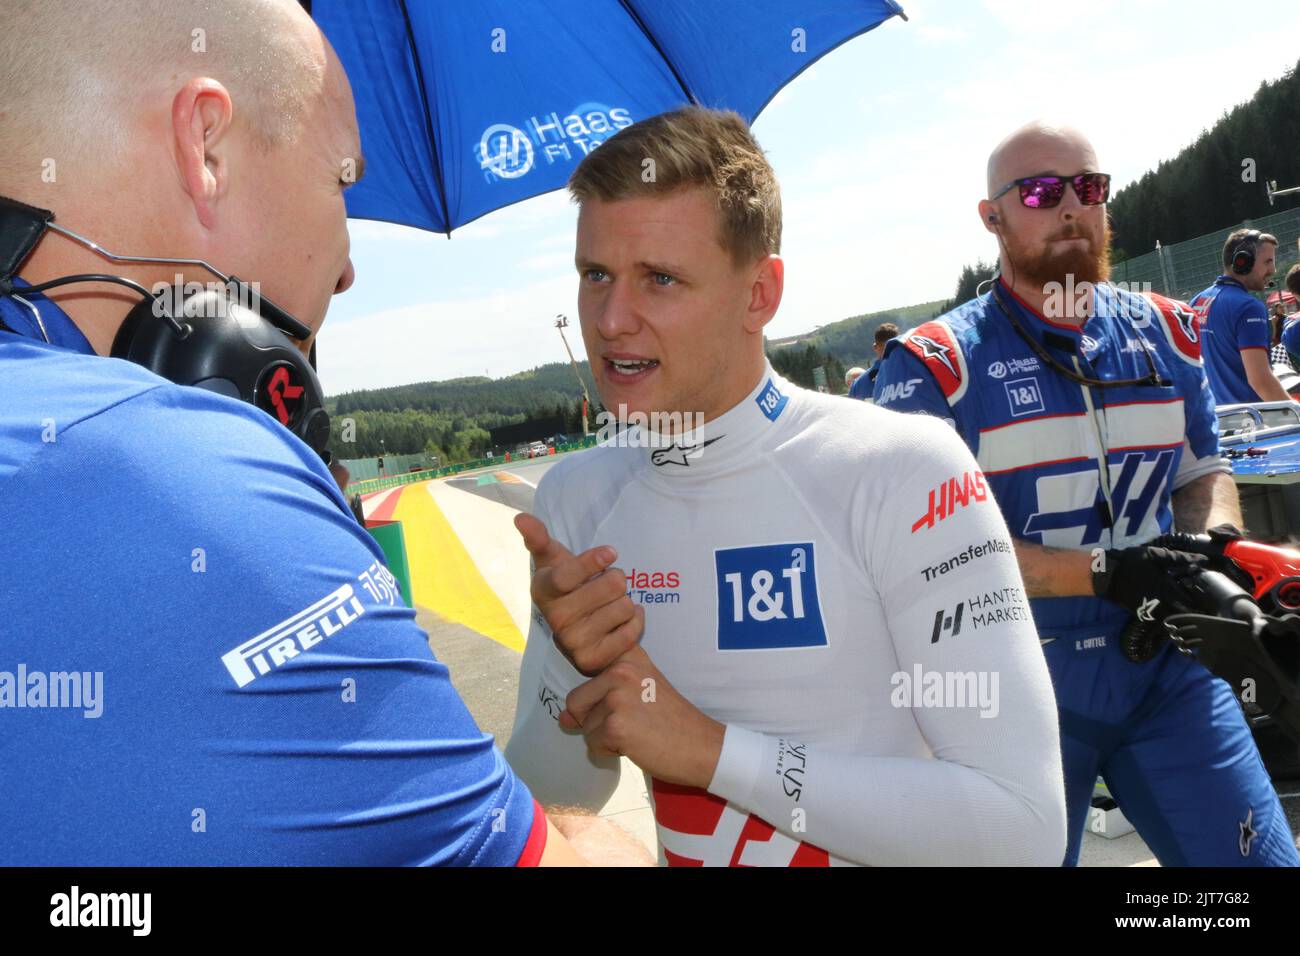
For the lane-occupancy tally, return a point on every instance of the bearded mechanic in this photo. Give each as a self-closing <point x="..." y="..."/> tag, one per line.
<point x="793" y="564"/>
<point x="266" y="697"/>
<point x="1087" y="408"/>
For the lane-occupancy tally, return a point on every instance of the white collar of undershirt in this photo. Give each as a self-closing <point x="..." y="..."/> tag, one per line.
<point x="722" y="443"/>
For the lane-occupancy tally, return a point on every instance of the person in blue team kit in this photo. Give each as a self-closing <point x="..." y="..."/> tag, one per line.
<point x="1291" y="325"/>
<point x="1087" y="409"/>
<point x="203" y="659"/>
<point x="861" y="387"/>
<point x="1234" y="326"/>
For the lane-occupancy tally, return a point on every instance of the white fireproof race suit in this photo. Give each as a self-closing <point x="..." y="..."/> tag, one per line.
<point x="835" y="584"/>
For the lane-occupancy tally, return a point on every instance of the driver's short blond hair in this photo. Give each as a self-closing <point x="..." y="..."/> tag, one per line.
<point x="692" y="147"/>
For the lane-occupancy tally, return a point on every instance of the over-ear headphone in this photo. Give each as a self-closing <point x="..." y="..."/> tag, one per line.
<point x="229" y="346"/>
<point x="225" y="338"/>
<point x="1243" y="256"/>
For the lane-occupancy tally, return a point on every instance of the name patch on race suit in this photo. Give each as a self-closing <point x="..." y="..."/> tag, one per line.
<point x="767" y="598"/>
<point x="697" y="828"/>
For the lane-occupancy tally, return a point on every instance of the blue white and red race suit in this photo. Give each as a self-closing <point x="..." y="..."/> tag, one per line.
<point x="1086" y="468"/>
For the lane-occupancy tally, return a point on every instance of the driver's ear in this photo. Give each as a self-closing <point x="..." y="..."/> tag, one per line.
<point x="765" y="293"/>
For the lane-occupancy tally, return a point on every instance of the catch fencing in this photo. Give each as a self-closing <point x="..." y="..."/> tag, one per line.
<point x="392" y="481"/>
<point x="1183" y="269"/>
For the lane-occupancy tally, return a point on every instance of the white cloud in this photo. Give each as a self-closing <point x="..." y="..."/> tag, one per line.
<point x="1036" y="18"/>
<point x="546" y="211"/>
<point x="550" y="262"/>
<point x="500" y="332"/>
<point x="368" y="230"/>
<point x="932" y="35"/>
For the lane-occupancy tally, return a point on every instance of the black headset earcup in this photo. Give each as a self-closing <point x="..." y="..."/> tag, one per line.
<point x="1243" y="257"/>
<point x="143" y="313"/>
<point x="229" y="349"/>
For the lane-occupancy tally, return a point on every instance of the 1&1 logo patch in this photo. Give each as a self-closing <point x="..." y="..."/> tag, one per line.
<point x="771" y="402"/>
<point x="767" y="598"/>
<point x="1024" y="396"/>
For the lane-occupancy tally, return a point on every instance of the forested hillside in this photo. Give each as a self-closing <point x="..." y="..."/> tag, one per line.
<point x="451" y="419"/>
<point x="1219" y="179"/>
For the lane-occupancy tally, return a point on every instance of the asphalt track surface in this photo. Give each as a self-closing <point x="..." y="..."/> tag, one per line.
<point x="516" y="494"/>
<point x="486" y="672"/>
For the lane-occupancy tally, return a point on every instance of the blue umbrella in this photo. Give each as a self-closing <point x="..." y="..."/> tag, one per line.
<point x="466" y="106"/>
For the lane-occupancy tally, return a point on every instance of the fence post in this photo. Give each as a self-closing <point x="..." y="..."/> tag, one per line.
<point x="1164" y="269"/>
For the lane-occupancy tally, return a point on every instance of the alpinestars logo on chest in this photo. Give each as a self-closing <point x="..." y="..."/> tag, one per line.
<point x="934" y="350"/>
<point x="676" y="454"/>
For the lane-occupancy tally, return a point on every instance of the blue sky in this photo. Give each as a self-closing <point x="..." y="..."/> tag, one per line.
<point x="880" y="150"/>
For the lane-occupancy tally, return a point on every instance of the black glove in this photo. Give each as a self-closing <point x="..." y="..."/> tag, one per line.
<point x="1211" y="543"/>
<point x="1147" y="580"/>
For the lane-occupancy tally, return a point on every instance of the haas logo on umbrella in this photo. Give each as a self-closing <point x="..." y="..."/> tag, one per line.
<point x="506" y="151"/>
<point x="279" y="393"/>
